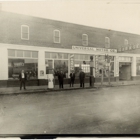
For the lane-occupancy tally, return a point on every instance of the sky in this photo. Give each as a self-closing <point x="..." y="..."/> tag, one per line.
<point x="119" y="15"/>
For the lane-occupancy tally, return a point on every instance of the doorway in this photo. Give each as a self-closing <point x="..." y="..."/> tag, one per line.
<point x="124" y="71"/>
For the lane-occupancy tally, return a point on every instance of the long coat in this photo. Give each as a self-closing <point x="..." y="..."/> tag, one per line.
<point x="72" y="76"/>
<point x="82" y="76"/>
<point x="61" y="76"/>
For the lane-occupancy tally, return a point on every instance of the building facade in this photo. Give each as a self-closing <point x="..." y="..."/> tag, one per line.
<point x="37" y="44"/>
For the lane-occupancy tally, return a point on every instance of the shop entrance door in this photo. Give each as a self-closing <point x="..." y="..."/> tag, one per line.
<point x="125" y="71"/>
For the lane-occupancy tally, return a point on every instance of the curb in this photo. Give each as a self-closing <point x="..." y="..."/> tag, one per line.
<point x="47" y="91"/>
<point x="67" y="89"/>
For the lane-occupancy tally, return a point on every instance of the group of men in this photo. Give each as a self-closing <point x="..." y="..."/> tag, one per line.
<point x="60" y="75"/>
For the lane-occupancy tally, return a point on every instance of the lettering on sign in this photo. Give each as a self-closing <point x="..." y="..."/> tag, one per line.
<point x="18" y="64"/>
<point x="71" y="61"/>
<point x="94" y="49"/>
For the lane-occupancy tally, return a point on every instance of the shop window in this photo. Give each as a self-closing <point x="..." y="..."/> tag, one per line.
<point x="24" y="32"/>
<point x="107" y="42"/>
<point x="30" y="66"/>
<point x="84" y="39"/>
<point x="61" y="65"/>
<point x="47" y="55"/>
<point x="11" y="53"/>
<point x="56" y="36"/>
<point x="34" y="54"/>
<point x="19" y="53"/>
<point x="27" y="53"/>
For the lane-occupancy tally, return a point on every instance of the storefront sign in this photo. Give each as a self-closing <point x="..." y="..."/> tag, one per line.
<point x="41" y="73"/>
<point x="71" y="62"/>
<point x="94" y="49"/>
<point x="85" y="68"/>
<point x="18" y="64"/>
<point x="125" y="59"/>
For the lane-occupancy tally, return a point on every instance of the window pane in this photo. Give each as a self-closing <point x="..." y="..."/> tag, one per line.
<point x="77" y="56"/>
<point x="82" y="57"/>
<point x="61" y="65"/>
<point x="87" y="57"/>
<point x="60" y="55"/>
<point x="47" y="55"/>
<point x="24" y="35"/>
<point x="24" y="29"/>
<point x="54" y="55"/>
<point x="56" y="39"/>
<point x="35" y="54"/>
<point x="85" y="37"/>
<point x="27" y="53"/>
<point x="57" y="34"/>
<point x="65" y="56"/>
<point x="19" y="53"/>
<point x="11" y="53"/>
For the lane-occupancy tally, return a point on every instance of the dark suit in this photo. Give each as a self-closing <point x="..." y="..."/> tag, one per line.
<point x="61" y="77"/>
<point x="22" y="80"/>
<point x="82" y="79"/>
<point x="72" y="79"/>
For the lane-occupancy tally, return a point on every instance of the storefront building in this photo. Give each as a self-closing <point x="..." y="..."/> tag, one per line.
<point x="36" y="45"/>
<point x="36" y="60"/>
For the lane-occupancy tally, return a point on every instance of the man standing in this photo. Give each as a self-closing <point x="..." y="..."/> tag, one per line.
<point x="61" y="79"/>
<point x="82" y="78"/>
<point x="22" y="78"/>
<point x="72" y="78"/>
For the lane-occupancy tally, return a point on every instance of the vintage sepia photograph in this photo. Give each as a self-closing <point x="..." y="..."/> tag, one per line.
<point x="70" y="67"/>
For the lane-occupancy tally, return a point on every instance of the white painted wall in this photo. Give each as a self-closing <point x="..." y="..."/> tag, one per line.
<point x="116" y="66"/>
<point x="41" y="64"/>
<point x="133" y="67"/>
<point x="3" y="63"/>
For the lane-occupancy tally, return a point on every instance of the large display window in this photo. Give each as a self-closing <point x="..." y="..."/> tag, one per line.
<point x="22" y="60"/>
<point x="79" y="60"/>
<point x="102" y="63"/>
<point x="57" y="61"/>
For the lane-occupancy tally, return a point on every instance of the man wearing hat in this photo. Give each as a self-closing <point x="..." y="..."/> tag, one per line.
<point x="72" y="78"/>
<point x="82" y="78"/>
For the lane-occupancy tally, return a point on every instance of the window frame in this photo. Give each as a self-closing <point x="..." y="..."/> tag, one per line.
<point x="107" y="43"/>
<point x="84" y="40"/>
<point x="59" y="37"/>
<point x="22" y="32"/>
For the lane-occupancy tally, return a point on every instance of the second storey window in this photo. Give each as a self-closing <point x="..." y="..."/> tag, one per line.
<point x="84" y="39"/>
<point x="56" y="36"/>
<point x="107" y="42"/>
<point x="24" y="32"/>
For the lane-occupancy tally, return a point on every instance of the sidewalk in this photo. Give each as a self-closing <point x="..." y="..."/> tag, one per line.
<point x="38" y="89"/>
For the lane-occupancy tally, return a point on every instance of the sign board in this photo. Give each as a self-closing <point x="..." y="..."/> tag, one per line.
<point x="71" y="62"/>
<point x="42" y="73"/>
<point x="94" y="49"/>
